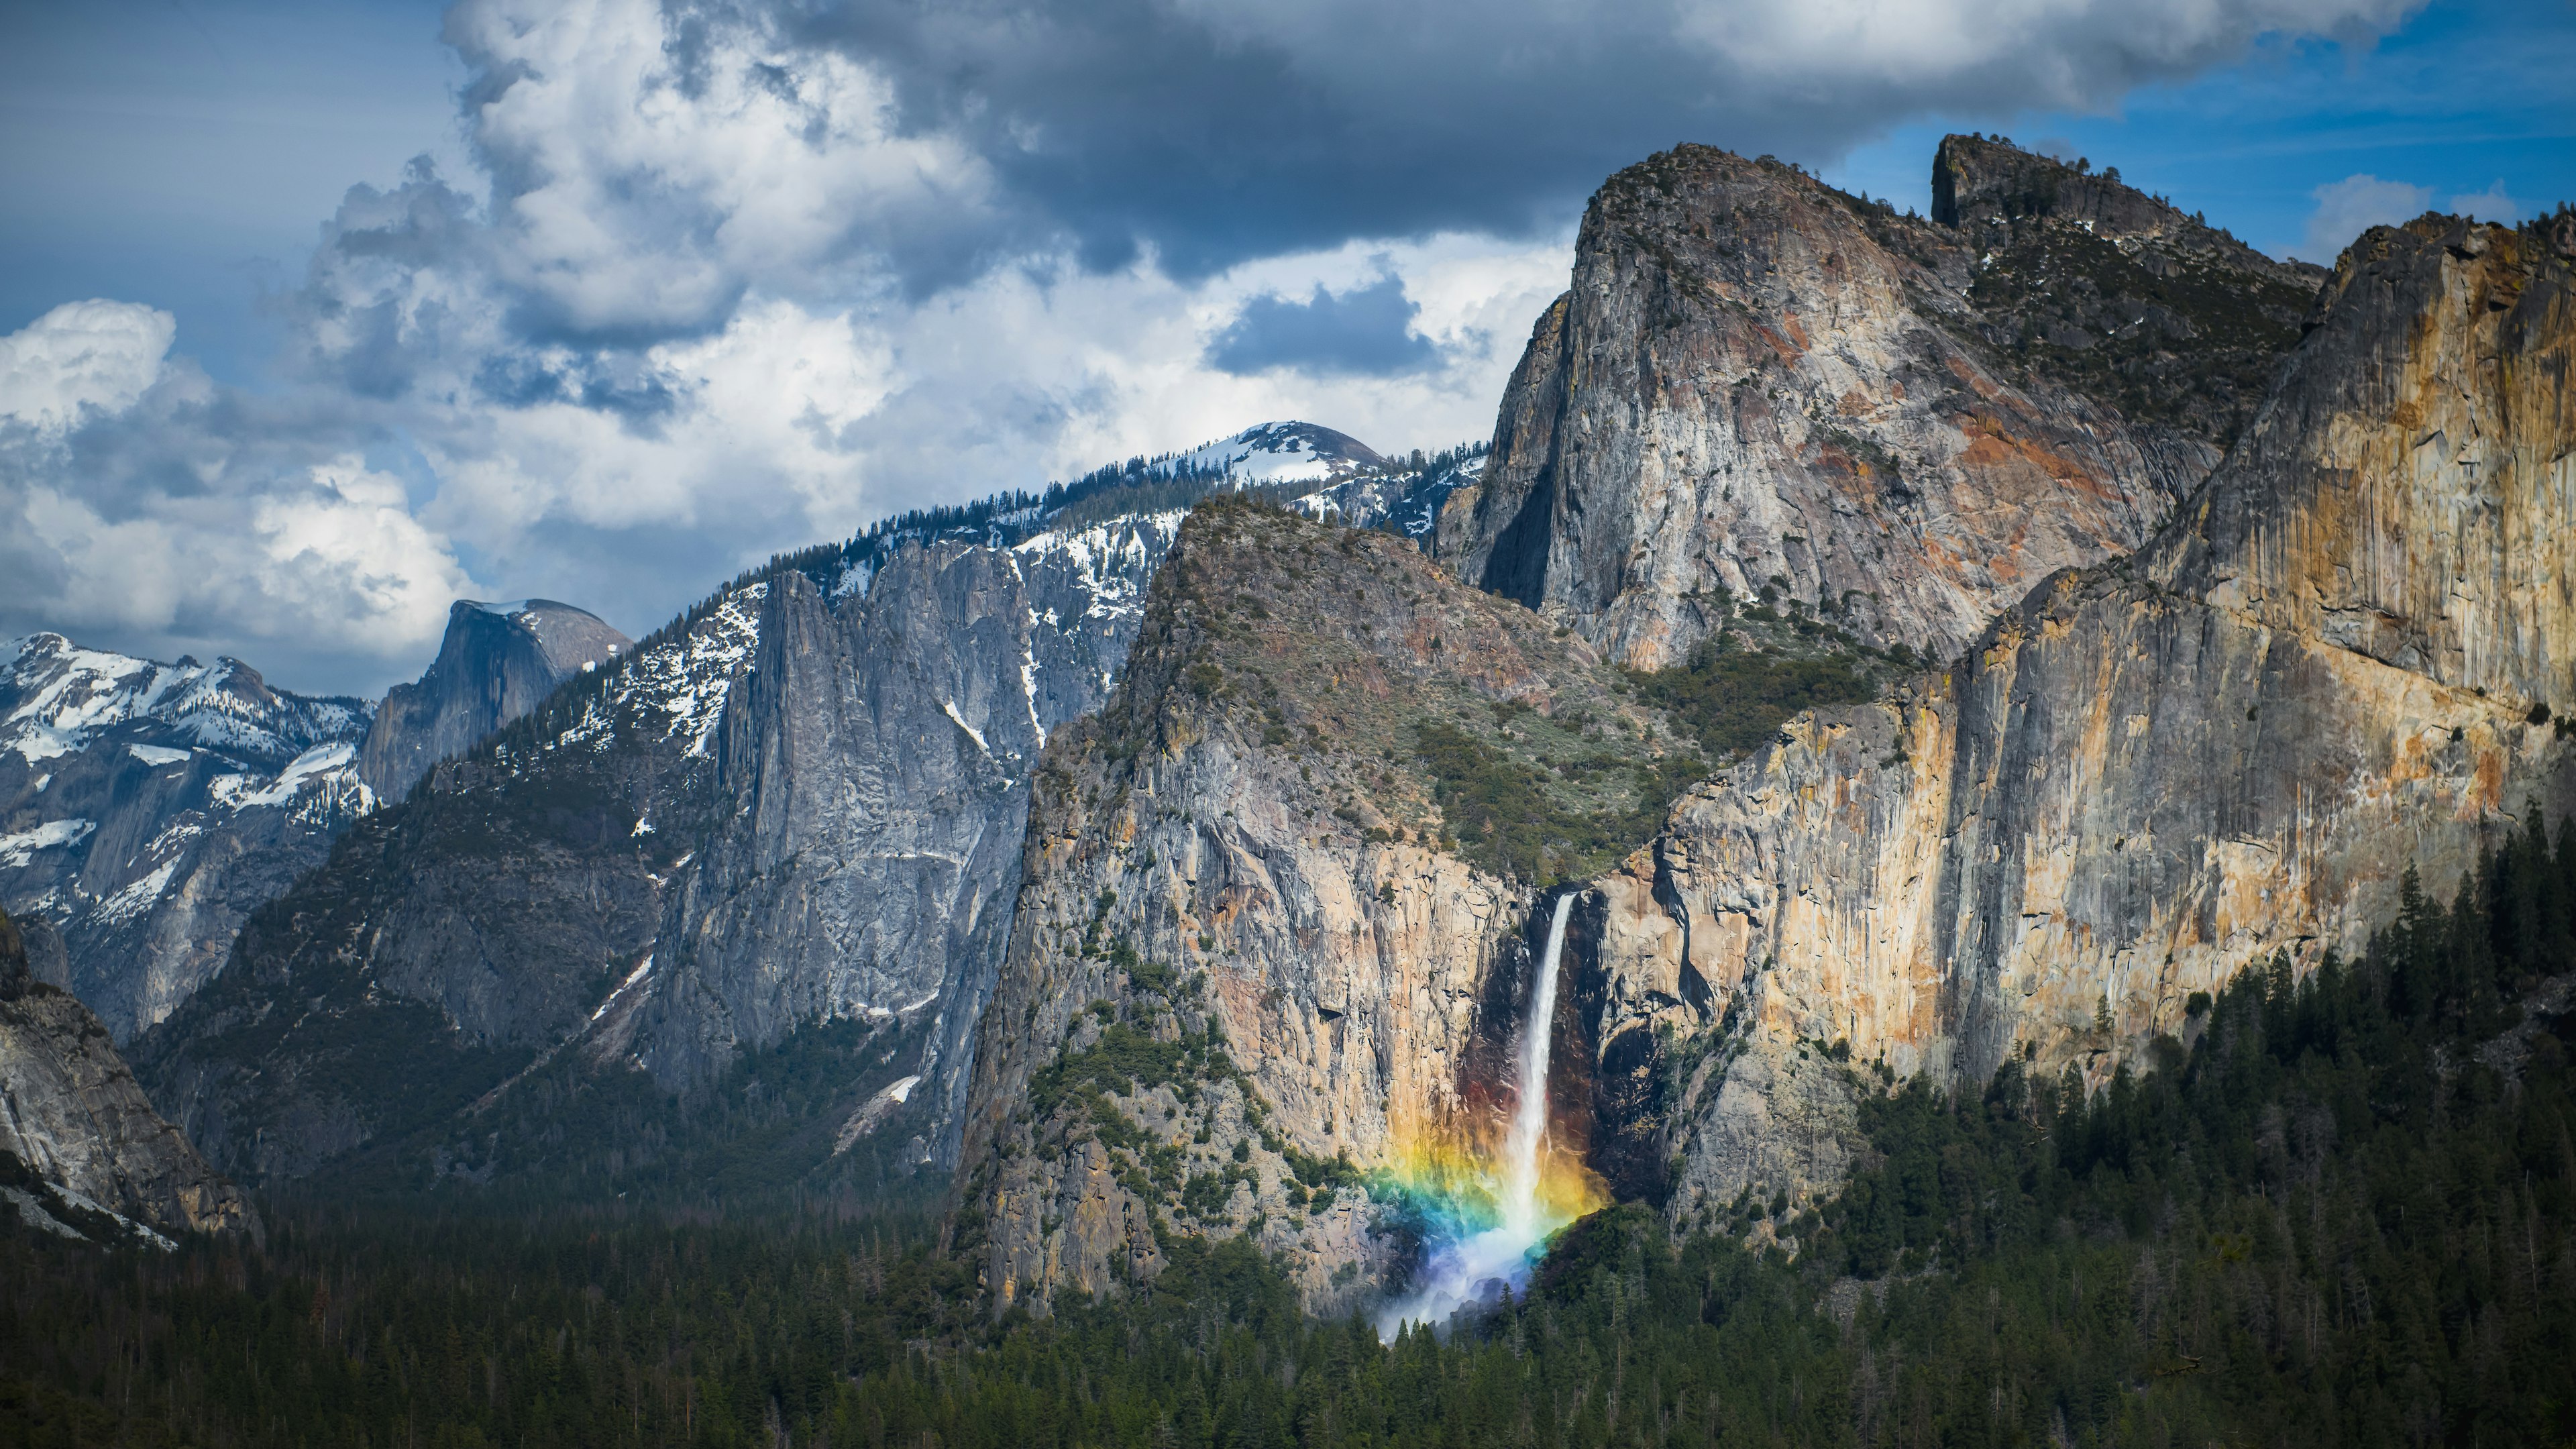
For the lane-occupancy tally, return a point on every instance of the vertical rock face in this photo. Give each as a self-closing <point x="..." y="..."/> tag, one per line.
<point x="73" y="1119"/>
<point x="875" y="763"/>
<point x="147" y="808"/>
<point x="2350" y="655"/>
<point x="1759" y="383"/>
<point x="496" y="662"/>
<point x="1250" y="961"/>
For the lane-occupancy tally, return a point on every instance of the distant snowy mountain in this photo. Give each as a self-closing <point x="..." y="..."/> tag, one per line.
<point x="145" y="808"/>
<point x="800" y="803"/>
<point x="1286" y="453"/>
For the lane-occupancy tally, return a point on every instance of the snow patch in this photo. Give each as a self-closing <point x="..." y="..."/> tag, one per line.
<point x="17" y="850"/>
<point x="639" y="973"/>
<point x="156" y="756"/>
<point x="972" y="733"/>
<point x="136" y="898"/>
<point x="317" y="761"/>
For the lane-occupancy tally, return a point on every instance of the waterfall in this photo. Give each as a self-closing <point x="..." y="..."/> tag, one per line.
<point x="1471" y="1268"/>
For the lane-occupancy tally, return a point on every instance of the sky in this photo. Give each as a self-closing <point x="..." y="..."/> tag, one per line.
<point x="315" y="317"/>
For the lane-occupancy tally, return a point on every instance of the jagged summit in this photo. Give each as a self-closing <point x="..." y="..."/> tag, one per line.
<point x="1989" y="179"/>
<point x="146" y="807"/>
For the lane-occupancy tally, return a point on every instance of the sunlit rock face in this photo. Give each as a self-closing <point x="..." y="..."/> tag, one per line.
<point x="2354" y="652"/>
<point x="1251" y="968"/>
<point x="1759" y="382"/>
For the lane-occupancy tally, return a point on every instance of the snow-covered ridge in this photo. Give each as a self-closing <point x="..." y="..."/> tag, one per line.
<point x="1285" y="453"/>
<point x="56" y="698"/>
<point x="675" y="689"/>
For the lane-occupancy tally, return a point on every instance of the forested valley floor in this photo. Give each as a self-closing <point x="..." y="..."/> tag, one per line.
<point x="2342" y="1212"/>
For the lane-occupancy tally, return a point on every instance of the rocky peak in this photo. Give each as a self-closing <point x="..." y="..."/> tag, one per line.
<point x="2116" y="292"/>
<point x="494" y="664"/>
<point x="1980" y="179"/>
<point x="1758" y="382"/>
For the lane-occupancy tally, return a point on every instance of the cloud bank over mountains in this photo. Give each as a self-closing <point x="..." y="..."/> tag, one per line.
<point x="727" y="278"/>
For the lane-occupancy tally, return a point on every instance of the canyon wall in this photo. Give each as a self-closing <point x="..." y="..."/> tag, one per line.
<point x="2354" y="652"/>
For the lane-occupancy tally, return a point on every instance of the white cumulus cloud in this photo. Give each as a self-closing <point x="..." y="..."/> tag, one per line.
<point x="80" y="356"/>
<point x="2347" y="208"/>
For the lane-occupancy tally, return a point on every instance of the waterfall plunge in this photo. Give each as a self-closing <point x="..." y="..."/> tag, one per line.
<point x="1466" y="1270"/>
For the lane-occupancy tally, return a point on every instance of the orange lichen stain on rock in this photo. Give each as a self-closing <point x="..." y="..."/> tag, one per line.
<point x="1974" y="379"/>
<point x="2486" y="785"/>
<point x="1990" y="445"/>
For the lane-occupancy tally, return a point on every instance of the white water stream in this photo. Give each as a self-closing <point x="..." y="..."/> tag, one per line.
<point x="1465" y="1270"/>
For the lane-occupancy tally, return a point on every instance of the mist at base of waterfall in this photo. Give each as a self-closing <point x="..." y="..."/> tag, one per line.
<point x="1478" y="1268"/>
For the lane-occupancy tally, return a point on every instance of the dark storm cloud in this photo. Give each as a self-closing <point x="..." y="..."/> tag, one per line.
<point x="1215" y="132"/>
<point x="1364" y="332"/>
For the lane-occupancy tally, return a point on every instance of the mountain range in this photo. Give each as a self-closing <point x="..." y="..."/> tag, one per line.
<point x="1913" y="647"/>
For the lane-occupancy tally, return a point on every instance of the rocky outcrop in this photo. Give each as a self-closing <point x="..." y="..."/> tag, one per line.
<point x="2351" y="655"/>
<point x="146" y="809"/>
<point x="1760" y="385"/>
<point x="495" y="663"/>
<point x="1252" y="958"/>
<point x="78" y="1139"/>
<point x="2117" y="294"/>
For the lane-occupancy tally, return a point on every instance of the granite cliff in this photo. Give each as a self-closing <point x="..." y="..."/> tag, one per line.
<point x="1270" y="929"/>
<point x="2145" y="772"/>
<point x="494" y="664"/>
<point x="2351" y="655"/>
<point x="82" y="1154"/>
<point x="1758" y="384"/>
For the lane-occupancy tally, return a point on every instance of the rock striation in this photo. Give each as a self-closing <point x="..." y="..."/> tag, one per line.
<point x="2352" y="655"/>
<point x="79" y="1143"/>
<point x="874" y="766"/>
<point x="147" y="808"/>
<point x="1758" y="384"/>
<point x="494" y="664"/>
